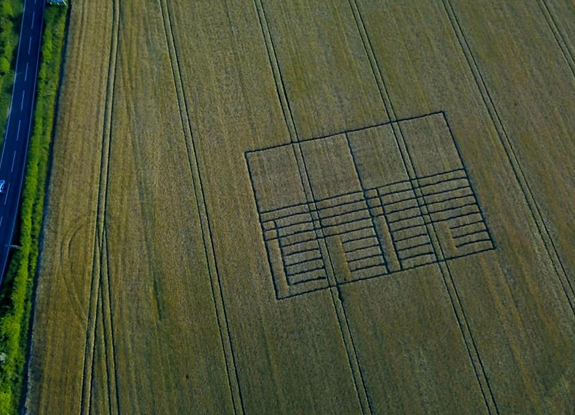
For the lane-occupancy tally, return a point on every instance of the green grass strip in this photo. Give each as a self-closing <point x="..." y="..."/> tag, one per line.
<point x="16" y="296"/>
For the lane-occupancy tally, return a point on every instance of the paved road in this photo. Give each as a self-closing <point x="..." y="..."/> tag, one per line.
<point x="15" y="148"/>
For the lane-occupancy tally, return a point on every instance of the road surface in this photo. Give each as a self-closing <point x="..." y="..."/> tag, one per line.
<point x="15" y="147"/>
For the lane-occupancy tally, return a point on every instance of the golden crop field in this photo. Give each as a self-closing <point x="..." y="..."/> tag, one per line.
<point x="310" y="207"/>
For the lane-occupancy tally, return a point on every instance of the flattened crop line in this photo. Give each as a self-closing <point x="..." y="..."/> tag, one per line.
<point x="335" y="292"/>
<point x="447" y="277"/>
<point x="511" y="154"/>
<point x="557" y="34"/>
<point x="99" y="226"/>
<point x="102" y="349"/>
<point x="89" y="354"/>
<point x="109" y="341"/>
<point x="207" y="236"/>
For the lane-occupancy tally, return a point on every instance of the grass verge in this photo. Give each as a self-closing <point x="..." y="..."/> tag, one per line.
<point x="15" y="298"/>
<point x="10" y="17"/>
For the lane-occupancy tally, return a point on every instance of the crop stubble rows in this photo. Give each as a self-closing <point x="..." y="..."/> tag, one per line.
<point x="176" y="318"/>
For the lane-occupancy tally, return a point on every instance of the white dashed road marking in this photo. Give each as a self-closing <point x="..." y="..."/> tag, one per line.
<point x="13" y="160"/>
<point x="7" y="192"/>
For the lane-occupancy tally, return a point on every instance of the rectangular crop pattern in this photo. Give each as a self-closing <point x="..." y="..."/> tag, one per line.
<point x="364" y="204"/>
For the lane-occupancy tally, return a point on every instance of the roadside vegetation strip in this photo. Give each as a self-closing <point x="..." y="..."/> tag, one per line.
<point x="10" y="16"/>
<point x="15" y="299"/>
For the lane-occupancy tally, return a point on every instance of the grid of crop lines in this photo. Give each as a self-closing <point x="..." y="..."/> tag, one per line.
<point x="379" y="220"/>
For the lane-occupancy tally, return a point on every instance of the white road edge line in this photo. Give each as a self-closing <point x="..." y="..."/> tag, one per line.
<point x="22" y="103"/>
<point x="13" y="98"/>
<point x="26" y="73"/>
<point x="7" y="192"/>
<point x="18" y="132"/>
<point x="13" y="160"/>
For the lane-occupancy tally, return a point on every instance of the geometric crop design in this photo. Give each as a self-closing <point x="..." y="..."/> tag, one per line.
<point x="353" y="206"/>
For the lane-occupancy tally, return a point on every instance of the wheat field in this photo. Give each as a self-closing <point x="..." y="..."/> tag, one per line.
<point x="301" y="206"/>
